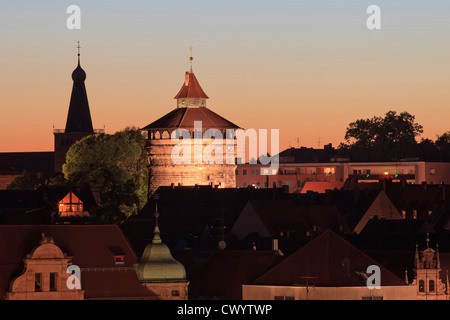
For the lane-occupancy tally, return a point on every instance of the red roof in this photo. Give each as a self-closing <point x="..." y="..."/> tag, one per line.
<point x="184" y="118"/>
<point x="191" y="88"/>
<point x="330" y="261"/>
<point x="223" y="273"/>
<point x="322" y="186"/>
<point x="92" y="247"/>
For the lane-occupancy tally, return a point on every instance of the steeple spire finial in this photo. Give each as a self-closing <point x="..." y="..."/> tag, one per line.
<point x="191" y="59"/>
<point x="78" y="47"/>
<point x="156" y="232"/>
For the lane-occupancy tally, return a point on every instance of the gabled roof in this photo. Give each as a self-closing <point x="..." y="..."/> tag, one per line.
<point x="191" y="88"/>
<point x="92" y="247"/>
<point x="330" y="261"/>
<point x="31" y="162"/>
<point x="276" y="216"/>
<point x="183" y="118"/>
<point x="225" y="271"/>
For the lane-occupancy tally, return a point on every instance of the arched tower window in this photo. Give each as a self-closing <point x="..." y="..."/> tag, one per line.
<point x="165" y="135"/>
<point x="431" y="286"/>
<point x="421" y="286"/>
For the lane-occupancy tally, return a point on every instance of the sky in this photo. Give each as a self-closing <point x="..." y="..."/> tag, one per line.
<point x="307" y="68"/>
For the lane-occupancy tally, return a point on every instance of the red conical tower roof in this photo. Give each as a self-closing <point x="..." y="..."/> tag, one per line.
<point x="191" y="89"/>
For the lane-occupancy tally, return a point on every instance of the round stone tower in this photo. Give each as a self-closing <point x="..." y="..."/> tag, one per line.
<point x="191" y="145"/>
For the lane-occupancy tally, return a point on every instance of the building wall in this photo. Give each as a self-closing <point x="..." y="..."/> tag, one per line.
<point x="45" y="259"/>
<point x="294" y="175"/>
<point x="436" y="172"/>
<point x="63" y="142"/>
<point x="260" y="292"/>
<point x="165" y="172"/>
<point x="169" y="290"/>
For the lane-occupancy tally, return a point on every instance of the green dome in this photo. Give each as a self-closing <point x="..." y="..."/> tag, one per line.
<point x="158" y="265"/>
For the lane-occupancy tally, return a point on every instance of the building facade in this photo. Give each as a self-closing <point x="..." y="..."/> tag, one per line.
<point x="295" y="175"/>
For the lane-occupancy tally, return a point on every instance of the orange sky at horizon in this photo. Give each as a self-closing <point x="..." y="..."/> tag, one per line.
<point x="309" y="86"/>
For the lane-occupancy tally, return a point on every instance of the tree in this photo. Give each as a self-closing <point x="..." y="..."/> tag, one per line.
<point x="443" y="146"/>
<point x="115" y="164"/>
<point x="24" y="182"/>
<point x="382" y="139"/>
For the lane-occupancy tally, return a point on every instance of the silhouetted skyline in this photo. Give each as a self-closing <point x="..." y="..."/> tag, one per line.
<point x="308" y="68"/>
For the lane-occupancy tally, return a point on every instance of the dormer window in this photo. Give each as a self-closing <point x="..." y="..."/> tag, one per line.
<point x="119" y="259"/>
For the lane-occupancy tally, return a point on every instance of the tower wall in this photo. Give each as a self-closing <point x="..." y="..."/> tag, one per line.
<point x="164" y="172"/>
<point x="63" y="142"/>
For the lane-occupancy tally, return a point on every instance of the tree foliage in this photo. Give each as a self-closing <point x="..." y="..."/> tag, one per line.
<point x="385" y="138"/>
<point x="391" y="138"/>
<point x="116" y="165"/>
<point x="24" y="182"/>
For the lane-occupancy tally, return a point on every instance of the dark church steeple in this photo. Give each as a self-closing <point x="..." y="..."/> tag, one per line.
<point x="79" y="122"/>
<point x="79" y="116"/>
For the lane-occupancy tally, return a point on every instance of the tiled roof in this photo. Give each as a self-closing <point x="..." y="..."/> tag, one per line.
<point x="224" y="272"/>
<point x="92" y="247"/>
<point x="330" y="261"/>
<point x="183" y="118"/>
<point x="31" y="162"/>
<point x="191" y="88"/>
<point x="288" y="215"/>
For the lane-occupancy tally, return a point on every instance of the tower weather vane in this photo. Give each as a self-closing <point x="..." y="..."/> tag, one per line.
<point x="191" y="58"/>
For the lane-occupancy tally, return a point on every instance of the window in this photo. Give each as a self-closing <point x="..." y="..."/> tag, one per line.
<point x="284" y="298"/>
<point x="421" y="286"/>
<point x="53" y="281"/>
<point x="38" y="282"/>
<point x="175" y="293"/>
<point x="244" y="184"/>
<point x="119" y="259"/>
<point x="244" y="172"/>
<point x="252" y="172"/>
<point x="237" y="172"/>
<point x="431" y="286"/>
<point x="372" y="298"/>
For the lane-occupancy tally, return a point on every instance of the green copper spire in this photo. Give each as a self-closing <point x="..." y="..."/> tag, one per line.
<point x="157" y="263"/>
